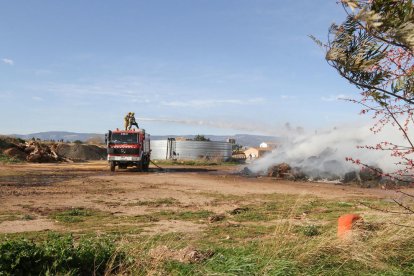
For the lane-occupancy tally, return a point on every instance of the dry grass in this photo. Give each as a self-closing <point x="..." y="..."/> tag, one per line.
<point x="374" y="246"/>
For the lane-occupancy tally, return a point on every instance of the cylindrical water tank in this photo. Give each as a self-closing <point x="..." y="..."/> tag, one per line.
<point x="159" y="149"/>
<point x="192" y="150"/>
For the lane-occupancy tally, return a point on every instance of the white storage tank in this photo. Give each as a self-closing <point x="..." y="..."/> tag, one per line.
<point x="190" y="150"/>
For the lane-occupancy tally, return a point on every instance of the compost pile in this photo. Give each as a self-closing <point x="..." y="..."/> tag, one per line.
<point x="81" y="152"/>
<point x="38" y="152"/>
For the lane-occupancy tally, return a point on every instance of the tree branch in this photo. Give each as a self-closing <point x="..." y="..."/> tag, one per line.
<point x="370" y="87"/>
<point x="405" y="194"/>
<point x="399" y="125"/>
<point x="385" y="210"/>
<point x="404" y="207"/>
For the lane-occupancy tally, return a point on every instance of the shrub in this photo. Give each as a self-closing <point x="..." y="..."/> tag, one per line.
<point x="6" y="159"/>
<point x="311" y="230"/>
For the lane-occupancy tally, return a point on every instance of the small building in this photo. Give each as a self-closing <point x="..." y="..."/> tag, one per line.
<point x="268" y="145"/>
<point x="256" y="152"/>
<point x="231" y="140"/>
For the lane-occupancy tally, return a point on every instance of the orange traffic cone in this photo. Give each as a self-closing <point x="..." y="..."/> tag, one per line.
<point x="345" y="223"/>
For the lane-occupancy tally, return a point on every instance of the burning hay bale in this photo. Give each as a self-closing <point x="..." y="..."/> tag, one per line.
<point x="282" y="170"/>
<point x="352" y="176"/>
<point x="285" y="171"/>
<point x="370" y="174"/>
<point x="326" y="166"/>
<point x="279" y="170"/>
<point x="366" y="177"/>
<point x="248" y="172"/>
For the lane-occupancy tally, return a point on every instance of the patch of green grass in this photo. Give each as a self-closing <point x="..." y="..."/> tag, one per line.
<point x="178" y="268"/>
<point x="253" y="214"/>
<point x="62" y="255"/>
<point x="345" y="204"/>
<point x="280" y="208"/>
<point x="155" y="203"/>
<point x="186" y="215"/>
<point x="235" y="233"/>
<point x="72" y="215"/>
<point x="245" y="260"/>
<point x="320" y="209"/>
<point x="172" y="239"/>
<point x="310" y="230"/>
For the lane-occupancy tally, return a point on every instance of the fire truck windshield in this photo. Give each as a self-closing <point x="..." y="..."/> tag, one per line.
<point x="124" y="138"/>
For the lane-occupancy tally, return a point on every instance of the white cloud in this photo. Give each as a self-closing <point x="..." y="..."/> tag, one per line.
<point x="287" y="97"/>
<point x="332" y="98"/>
<point x="212" y="102"/>
<point x="38" y="99"/>
<point x="42" y="72"/>
<point x="8" y="61"/>
<point x="4" y="94"/>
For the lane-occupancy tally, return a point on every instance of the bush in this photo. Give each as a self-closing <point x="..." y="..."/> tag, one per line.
<point x="6" y="159"/>
<point x="199" y="137"/>
<point x="59" y="254"/>
<point x="311" y="230"/>
<point x="9" y="142"/>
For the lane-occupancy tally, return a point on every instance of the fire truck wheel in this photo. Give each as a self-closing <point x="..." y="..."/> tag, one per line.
<point x="112" y="165"/>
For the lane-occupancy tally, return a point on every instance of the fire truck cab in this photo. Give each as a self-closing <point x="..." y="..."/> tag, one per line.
<point x="127" y="148"/>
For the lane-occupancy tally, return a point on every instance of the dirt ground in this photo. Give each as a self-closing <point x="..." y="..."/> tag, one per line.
<point x="31" y="193"/>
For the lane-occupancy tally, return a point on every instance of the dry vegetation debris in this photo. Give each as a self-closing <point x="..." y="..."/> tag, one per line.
<point x="47" y="152"/>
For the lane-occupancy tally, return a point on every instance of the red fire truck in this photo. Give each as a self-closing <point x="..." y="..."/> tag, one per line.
<point x="128" y="148"/>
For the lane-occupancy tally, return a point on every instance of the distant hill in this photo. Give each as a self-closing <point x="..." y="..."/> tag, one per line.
<point x="59" y="135"/>
<point x="241" y="139"/>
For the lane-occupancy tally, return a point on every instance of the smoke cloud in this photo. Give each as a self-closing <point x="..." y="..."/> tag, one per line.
<point x="216" y="124"/>
<point x="249" y="127"/>
<point x="326" y="151"/>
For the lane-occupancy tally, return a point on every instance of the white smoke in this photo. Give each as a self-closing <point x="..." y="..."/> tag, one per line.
<point x="250" y="127"/>
<point x="265" y="129"/>
<point x="326" y="151"/>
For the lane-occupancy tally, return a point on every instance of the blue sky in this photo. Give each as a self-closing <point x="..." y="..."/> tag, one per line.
<point x="183" y="66"/>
